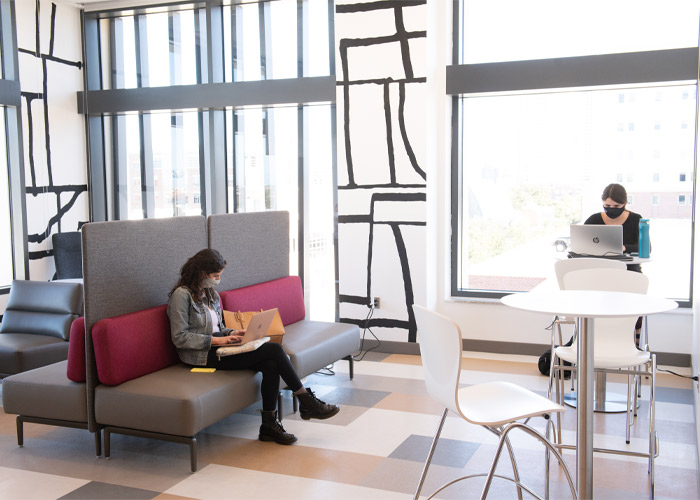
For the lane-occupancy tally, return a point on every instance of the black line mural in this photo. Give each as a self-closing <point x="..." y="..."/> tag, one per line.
<point x="65" y="195"/>
<point x="398" y="163"/>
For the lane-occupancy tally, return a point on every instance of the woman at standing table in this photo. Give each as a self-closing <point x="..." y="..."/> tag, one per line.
<point x="197" y="330"/>
<point x="615" y="213"/>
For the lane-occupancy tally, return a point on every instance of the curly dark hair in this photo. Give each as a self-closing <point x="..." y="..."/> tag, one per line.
<point x="205" y="261"/>
<point x="616" y="192"/>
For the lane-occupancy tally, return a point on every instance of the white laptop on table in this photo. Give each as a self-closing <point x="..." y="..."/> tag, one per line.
<point x="595" y="240"/>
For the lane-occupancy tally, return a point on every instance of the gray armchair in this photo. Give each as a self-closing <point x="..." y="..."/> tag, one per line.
<point x="36" y="324"/>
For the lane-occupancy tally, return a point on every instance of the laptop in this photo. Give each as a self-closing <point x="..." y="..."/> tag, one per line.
<point x="595" y="240"/>
<point x="258" y="326"/>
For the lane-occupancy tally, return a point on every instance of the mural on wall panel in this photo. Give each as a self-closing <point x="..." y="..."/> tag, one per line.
<point x="380" y="67"/>
<point x="50" y="64"/>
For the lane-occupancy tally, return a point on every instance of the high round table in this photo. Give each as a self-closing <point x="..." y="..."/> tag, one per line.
<point x="587" y="305"/>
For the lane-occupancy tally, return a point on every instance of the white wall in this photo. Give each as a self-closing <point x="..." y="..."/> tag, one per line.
<point x="53" y="132"/>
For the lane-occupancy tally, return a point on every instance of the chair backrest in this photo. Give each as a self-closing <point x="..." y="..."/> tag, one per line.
<point x="67" y="255"/>
<point x="613" y="335"/>
<point x="441" y="352"/>
<point x="42" y="308"/>
<point x="561" y="267"/>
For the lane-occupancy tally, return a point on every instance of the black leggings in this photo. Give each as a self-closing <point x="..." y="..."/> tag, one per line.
<point x="270" y="360"/>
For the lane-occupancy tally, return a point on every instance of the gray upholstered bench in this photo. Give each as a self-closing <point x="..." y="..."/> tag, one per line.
<point x="145" y="391"/>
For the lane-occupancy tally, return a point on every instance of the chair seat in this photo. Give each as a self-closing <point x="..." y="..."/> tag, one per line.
<point x="20" y="352"/>
<point x="607" y="360"/>
<point x="499" y="403"/>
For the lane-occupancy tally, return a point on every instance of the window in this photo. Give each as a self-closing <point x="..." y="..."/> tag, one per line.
<point x="6" y="258"/>
<point x="528" y="30"/>
<point x="681" y="199"/>
<point x="235" y="150"/>
<point x="532" y="154"/>
<point x="681" y="177"/>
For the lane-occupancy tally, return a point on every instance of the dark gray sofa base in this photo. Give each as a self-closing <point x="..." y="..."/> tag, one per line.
<point x="46" y="396"/>
<point x="173" y="404"/>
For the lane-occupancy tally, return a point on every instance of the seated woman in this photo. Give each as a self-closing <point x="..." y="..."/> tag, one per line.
<point x="197" y="330"/>
<point x="615" y="213"/>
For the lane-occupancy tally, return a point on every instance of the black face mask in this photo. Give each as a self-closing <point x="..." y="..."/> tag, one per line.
<point x="613" y="212"/>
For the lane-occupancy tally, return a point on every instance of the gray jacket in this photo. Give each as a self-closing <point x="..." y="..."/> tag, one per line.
<point x="191" y="326"/>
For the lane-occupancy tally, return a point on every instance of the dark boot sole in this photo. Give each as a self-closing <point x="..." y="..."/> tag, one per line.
<point x="319" y="417"/>
<point x="270" y="438"/>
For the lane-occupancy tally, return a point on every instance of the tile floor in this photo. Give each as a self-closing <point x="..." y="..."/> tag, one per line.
<point x="373" y="449"/>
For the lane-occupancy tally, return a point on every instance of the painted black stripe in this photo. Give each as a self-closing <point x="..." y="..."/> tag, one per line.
<point x="383" y="186"/>
<point x="353" y="299"/>
<point x="370" y="6"/>
<point x="379" y="40"/>
<point x="404" y="135"/>
<point x="389" y="135"/>
<point x="381" y="81"/>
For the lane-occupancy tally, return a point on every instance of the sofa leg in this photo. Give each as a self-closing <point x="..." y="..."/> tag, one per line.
<point x="107" y="434"/>
<point x="98" y="443"/>
<point x="193" y="454"/>
<point x="352" y="366"/>
<point x="20" y="430"/>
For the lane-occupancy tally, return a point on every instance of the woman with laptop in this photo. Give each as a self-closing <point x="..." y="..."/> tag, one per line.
<point x="615" y="213"/>
<point x="197" y="330"/>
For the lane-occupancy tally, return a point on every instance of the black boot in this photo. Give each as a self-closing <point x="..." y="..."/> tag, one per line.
<point x="312" y="407"/>
<point x="272" y="430"/>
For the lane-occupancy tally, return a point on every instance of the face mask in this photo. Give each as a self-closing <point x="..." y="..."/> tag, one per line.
<point x="613" y="212"/>
<point x="210" y="283"/>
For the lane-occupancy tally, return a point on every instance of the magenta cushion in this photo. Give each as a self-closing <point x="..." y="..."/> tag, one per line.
<point x="132" y="345"/>
<point x="286" y="294"/>
<point x="76" y="351"/>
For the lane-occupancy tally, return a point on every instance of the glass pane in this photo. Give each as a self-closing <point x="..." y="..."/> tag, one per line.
<point x="320" y="242"/>
<point x="316" y="59"/>
<point x="512" y="30"/>
<point x="126" y="54"/>
<point x="176" y="173"/>
<point x="264" y="164"/>
<point x="6" y="268"/>
<point x="156" y="71"/>
<point x="533" y="164"/>
<point x="282" y="55"/>
<point x="133" y="167"/>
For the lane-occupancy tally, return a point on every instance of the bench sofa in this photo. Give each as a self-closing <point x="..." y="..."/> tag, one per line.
<point x="134" y="382"/>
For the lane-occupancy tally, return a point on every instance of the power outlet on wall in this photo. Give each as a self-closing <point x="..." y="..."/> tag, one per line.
<point x="375" y="302"/>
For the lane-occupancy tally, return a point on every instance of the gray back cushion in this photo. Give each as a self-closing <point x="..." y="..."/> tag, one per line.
<point x="132" y="265"/>
<point x="255" y="246"/>
<point x="42" y="308"/>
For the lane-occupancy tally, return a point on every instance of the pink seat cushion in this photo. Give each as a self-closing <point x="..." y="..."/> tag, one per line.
<point x="286" y="294"/>
<point x="132" y="345"/>
<point x="76" y="351"/>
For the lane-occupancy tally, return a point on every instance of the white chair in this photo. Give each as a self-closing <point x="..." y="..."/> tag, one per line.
<point x="615" y="350"/>
<point x="497" y="406"/>
<point x="562" y="267"/>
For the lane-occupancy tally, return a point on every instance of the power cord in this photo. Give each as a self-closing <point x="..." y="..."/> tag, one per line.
<point x="361" y="355"/>
<point x="695" y="378"/>
<point x="326" y="370"/>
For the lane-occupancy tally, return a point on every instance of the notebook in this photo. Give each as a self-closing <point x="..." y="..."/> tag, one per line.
<point x="595" y="240"/>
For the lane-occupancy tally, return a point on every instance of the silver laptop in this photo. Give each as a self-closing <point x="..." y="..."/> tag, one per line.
<point x="596" y="240"/>
<point x="258" y="326"/>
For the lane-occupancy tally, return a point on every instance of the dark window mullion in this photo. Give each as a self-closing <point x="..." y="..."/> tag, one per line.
<point x="145" y="129"/>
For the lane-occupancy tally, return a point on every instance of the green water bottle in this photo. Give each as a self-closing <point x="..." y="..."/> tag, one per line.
<point x="644" y="243"/>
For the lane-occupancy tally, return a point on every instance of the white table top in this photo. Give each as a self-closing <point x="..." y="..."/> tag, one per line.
<point x="589" y="303"/>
